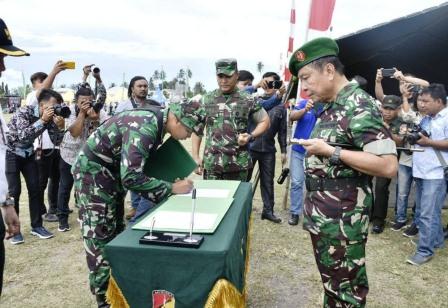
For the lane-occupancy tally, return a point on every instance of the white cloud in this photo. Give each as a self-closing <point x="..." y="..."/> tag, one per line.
<point x="186" y="33"/>
<point x="12" y="77"/>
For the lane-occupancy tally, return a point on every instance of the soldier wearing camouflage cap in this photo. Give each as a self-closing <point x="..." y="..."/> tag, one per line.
<point x="228" y="111"/>
<point x="339" y="192"/>
<point x="111" y="162"/>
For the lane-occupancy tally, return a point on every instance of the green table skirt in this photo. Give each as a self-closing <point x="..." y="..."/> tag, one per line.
<point x="189" y="274"/>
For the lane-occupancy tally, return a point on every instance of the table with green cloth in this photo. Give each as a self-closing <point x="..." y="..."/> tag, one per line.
<point x="189" y="274"/>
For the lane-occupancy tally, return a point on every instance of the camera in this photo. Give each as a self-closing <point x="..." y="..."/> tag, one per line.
<point x="414" y="89"/>
<point x="62" y="110"/>
<point x="283" y="176"/>
<point x="413" y="134"/>
<point x="96" y="106"/>
<point x="275" y="84"/>
<point x="388" y="72"/>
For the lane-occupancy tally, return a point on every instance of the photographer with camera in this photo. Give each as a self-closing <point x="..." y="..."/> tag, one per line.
<point x="25" y="126"/>
<point x="430" y="172"/>
<point x="406" y="81"/>
<point x="409" y="130"/>
<point x="99" y="91"/>
<point x="85" y="118"/>
<point x="48" y="153"/>
<point x="262" y="149"/>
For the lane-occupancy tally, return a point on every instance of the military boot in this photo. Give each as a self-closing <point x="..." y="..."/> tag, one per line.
<point x="101" y="301"/>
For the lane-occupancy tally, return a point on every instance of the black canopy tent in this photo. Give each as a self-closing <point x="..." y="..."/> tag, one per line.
<point x="415" y="44"/>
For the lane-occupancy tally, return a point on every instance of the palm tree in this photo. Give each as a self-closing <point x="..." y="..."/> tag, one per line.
<point x="260" y="67"/>
<point x="162" y="75"/>
<point x="156" y="75"/>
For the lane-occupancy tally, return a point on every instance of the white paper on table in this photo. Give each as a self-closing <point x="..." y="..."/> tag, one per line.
<point x="209" y="193"/>
<point x="180" y="220"/>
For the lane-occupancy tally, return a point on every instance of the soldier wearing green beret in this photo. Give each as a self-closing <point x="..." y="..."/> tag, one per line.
<point x="228" y="111"/>
<point x="339" y="192"/>
<point x="111" y="162"/>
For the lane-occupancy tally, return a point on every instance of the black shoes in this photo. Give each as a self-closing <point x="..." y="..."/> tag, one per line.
<point x="271" y="217"/>
<point x="377" y="229"/>
<point x="294" y="220"/>
<point x="411" y="231"/>
<point x="397" y="226"/>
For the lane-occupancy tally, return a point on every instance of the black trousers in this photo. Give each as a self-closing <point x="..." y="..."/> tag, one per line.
<point x="266" y="164"/>
<point x="49" y="174"/>
<point x="28" y="167"/>
<point x="2" y="252"/>
<point x="381" y="202"/>
<point x="65" y="188"/>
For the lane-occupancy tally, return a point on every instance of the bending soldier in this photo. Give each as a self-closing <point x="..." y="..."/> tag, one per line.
<point x="111" y="162"/>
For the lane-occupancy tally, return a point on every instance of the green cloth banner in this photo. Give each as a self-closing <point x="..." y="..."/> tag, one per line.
<point x="187" y="273"/>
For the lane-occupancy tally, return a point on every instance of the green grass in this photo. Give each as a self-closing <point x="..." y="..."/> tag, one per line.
<point x="282" y="273"/>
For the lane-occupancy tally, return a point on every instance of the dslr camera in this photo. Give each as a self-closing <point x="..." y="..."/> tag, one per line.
<point x="96" y="106"/>
<point x="62" y="110"/>
<point x="275" y="84"/>
<point x="413" y="134"/>
<point x="414" y="89"/>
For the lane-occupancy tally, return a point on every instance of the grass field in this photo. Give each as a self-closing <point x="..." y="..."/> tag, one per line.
<point x="283" y="273"/>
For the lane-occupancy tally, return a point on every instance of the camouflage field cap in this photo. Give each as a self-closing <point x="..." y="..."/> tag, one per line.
<point x="311" y="51"/>
<point x="227" y="67"/>
<point x="391" y="101"/>
<point x="191" y="114"/>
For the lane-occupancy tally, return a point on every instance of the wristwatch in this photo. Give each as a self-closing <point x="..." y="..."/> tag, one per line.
<point x="8" y="202"/>
<point x="335" y="157"/>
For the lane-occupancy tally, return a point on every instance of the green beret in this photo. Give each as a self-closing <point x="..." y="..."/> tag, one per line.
<point x="311" y="51"/>
<point x="227" y="67"/>
<point x="191" y="114"/>
<point x="391" y="101"/>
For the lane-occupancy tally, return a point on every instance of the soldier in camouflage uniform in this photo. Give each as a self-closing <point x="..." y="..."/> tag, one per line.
<point x="226" y="155"/>
<point x="112" y="162"/>
<point x="339" y="193"/>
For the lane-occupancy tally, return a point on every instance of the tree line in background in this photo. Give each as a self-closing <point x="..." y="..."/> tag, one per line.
<point x="180" y="81"/>
<point x="158" y="78"/>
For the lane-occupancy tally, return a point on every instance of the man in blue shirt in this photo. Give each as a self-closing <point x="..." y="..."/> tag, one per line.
<point x="305" y="113"/>
<point x="428" y="171"/>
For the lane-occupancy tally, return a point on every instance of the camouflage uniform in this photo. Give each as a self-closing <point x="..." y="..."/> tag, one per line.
<point x="111" y="162"/>
<point x="338" y="220"/>
<point x="228" y="116"/>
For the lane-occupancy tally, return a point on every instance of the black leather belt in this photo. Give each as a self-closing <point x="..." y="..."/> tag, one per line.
<point x="323" y="184"/>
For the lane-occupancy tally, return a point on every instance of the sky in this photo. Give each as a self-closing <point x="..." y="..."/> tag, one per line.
<point x="137" y="37"/>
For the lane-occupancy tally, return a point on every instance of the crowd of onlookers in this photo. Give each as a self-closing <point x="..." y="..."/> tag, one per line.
<point x="45" y="136"/>
<point x="415" y="118"/>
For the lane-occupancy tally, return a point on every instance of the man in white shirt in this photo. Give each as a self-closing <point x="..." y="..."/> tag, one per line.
<point x="83" y="120"/>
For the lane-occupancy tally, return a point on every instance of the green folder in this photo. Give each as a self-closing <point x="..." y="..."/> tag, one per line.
<point x="170" y="161"/>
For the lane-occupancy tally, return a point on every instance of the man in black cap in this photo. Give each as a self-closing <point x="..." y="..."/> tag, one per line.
<point x="9" y="215"/>
<point x="339" y="192"/>
<point x="389" y="109"/>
